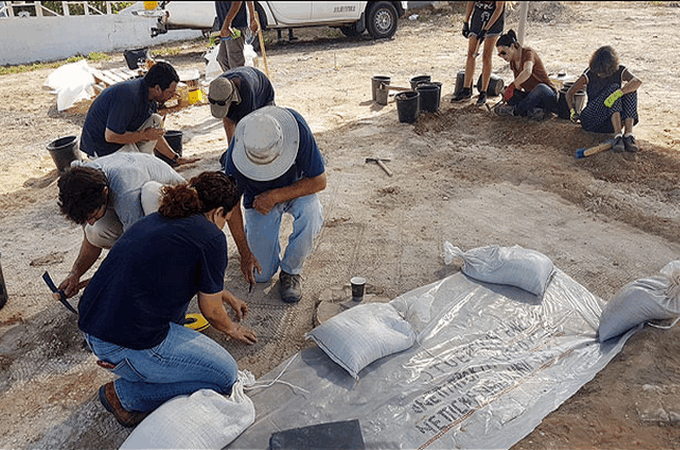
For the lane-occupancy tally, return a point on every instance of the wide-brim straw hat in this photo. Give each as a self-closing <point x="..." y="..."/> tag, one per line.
<point x="266" y="143"/>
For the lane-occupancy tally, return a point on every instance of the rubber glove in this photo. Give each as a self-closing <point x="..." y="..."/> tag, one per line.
<point x="466" y="29"/>
<point x="573" y="115"/>
<point x="609" y="101"/>
<point x="480" y="36"/>
<point x="509" y="92"/>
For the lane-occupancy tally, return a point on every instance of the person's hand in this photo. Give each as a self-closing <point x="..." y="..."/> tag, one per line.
<point x="152" y="134"/>
<point x="573" y="115"/>
<point x="181" y="160"/>
<point x="264" y="202"/>
<point x="466" y="29"/>
<point x="237" y="305"/>
<point x="225" y="32"/>
<point x="241" y="333"/>
<point x="253" y="27"/>
<point x="509" y="92"/>
<point x="70" y="285"/>
<point x="481" y="35"/>
<point x="609" y="101"/>
<point x="249" y="265"/>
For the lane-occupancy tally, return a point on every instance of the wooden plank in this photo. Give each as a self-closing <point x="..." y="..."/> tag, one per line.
<point x="113" y="76"/>
<point x="100" y="76"/>
<point x="122" y="74"/>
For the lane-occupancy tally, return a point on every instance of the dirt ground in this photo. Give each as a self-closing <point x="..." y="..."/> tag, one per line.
<point x="460" y="175"/>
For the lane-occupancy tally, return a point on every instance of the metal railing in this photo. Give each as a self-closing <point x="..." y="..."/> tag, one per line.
<point x="39" y="9"/>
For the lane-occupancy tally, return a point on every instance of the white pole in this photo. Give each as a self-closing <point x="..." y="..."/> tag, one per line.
<point x="523" y="12"/>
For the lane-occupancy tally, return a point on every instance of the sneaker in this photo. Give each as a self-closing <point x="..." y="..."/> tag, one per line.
<point x="618" y="146"/>
<point x="504" y="110"/>
<point x="291" y="287"/>
<point x="109" y="398"/>
<point x="481" y="100"/>
<point x="464" y="94"/>
<point x="537" y="114"/>
<point x="629" y="143"/>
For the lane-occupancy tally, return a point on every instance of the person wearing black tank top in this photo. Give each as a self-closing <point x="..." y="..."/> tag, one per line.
<point x="612" y="99"/>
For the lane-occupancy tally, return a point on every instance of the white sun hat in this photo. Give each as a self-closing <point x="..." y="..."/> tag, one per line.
<point x="266" y="143"/>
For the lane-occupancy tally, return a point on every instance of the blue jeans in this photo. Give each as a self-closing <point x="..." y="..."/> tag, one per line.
<point x="262" y="233"/>
<point x="185" y="362"/>
<point x="540" y="97"/>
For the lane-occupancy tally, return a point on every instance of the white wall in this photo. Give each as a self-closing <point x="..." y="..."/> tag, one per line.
<point x="43" y="39"/>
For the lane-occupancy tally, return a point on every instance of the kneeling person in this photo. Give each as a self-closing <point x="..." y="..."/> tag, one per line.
<point x="279" y="169"/>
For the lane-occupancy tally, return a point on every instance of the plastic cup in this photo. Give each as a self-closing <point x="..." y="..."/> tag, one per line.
<point x="358" y="285"/>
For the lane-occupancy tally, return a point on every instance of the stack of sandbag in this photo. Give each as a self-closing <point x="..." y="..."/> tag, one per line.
<point x="652" y="298"/>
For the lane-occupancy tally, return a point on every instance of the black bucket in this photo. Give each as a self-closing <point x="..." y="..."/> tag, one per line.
<point x="376" y="81"/>
<point x="562" y="107"/>
<point x="460" y="81"/>
<point x="64" y="151"/>
<point x="408" y="105"/>
<point x="430" y="94"/>
<point x="415" y="81"/>
<point x="495" y="88"/>
<point x="174" y="139"/>
<point x="136" y="58"/>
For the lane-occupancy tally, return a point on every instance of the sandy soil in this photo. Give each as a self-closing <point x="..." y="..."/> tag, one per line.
<point x="460" y="175"/>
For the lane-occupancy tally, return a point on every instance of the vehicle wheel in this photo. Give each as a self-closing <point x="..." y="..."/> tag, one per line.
<point x="350" y="30"/>
<point x="382" y="20"/>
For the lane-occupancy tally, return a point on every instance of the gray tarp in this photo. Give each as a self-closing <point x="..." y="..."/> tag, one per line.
<point x="490" y="362"/>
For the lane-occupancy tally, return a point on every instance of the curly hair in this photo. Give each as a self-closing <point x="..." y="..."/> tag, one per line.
<point x="204" y="192"/>
<point x="604" y="61"/>
<point x="81" y="191"/>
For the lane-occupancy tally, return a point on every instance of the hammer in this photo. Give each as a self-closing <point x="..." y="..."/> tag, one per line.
<point x="381" y="164"/>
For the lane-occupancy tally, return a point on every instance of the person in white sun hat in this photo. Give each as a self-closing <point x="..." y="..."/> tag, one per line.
<point x="278" y="169"/>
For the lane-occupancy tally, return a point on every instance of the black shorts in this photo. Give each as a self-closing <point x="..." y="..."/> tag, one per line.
<point x="481" y="16"/>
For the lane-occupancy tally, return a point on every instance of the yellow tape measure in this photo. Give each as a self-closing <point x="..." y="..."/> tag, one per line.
<point x="196" y="322"/>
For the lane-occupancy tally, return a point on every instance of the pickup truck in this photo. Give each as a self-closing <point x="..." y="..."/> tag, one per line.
<point x="352" y="18"/>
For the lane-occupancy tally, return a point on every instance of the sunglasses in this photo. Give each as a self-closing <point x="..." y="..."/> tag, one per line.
<point x="217" y="102"/>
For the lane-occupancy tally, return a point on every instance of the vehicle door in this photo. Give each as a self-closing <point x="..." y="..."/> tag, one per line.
<point x="291" y="13"/>
<point x="334" y="11"/>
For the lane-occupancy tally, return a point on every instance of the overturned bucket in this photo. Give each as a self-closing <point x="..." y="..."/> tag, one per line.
<point x="430" y="94"/>
<point x="407" y="106"/>
<point x="64" y="151"/>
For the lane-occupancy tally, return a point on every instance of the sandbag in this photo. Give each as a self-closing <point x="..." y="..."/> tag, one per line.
<point x="204" y="419"/>
<point x="651" y="298"/>
<point x="515" y="266"/>
<point x="363" y="334"/>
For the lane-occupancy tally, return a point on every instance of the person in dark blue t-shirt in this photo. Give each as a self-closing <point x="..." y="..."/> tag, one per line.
<point x="132" y="309"/>
<point x="232" y="16"/>
<point x="236" y="93"/>
<point x="123" y="117"/>
<point x="279" y="169"/>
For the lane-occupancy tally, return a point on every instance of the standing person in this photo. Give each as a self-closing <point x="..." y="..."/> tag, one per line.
<point x="106" y="197"/>
<point x="279" y="169"/>
<point x="232" y="16"/>
<point x="486" y="25"/>
<point x="236" y="93"/>
<point x="531" y="93"/>
<point x="612" y="99"/>
<point x="123" y="117"/>
<point x="131" y="311"/>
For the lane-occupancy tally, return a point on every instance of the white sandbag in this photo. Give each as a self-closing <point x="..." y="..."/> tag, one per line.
<point x="515" y="266"/>
<point x="652" y="298"/>
<point x="71" y="83"/>
<point x="202" y="420"/>
<point x="212" y="68"/>
<point x="363" y="334"/>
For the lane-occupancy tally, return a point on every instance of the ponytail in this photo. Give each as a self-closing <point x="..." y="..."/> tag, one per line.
<point x="203" y="193"/>
<point x="509" y="39"/>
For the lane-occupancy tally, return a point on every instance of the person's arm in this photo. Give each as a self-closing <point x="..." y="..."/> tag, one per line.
<point x="577" y="86"/>
<point x="264" y="202"/>
<point x="233" y="10"/>
<point x="495" y="16"/>
<point x="248" y="261"/>
<point x="133" y="137"/>
<point x="86" y="258"/>
<point x="525" y="74"/>
<point x="212" y="308"/>
<point x="229" y="128"/>
<point x="254" y="21"/>
<point x="631" y="82"/>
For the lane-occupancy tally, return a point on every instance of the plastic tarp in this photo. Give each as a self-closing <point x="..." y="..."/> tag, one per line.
<point x="71" y="83"/>
<point x="490" y="362"/>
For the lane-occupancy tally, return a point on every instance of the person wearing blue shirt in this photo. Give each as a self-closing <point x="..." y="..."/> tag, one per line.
<point x="123" y="117"/>
<point x="232" y="16"/>
<point x="236" y="93"/>
<point x="279" y="169"/>
<point x="132" y="310"/>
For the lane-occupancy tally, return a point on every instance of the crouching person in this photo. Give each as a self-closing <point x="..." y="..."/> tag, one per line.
<point x="132" y="309"/>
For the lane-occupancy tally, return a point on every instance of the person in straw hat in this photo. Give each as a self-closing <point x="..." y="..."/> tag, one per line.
<point x="236" y="93"/>
<point x="278" y="168"/>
